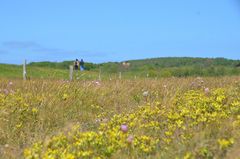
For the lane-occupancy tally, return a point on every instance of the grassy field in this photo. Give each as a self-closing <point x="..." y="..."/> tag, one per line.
<point x="39" y="72"/>
<point x="15" y="71"/>
<point x="36" y="72"/>
<point x="142" y="118"/>
<point x="151" y="68"/>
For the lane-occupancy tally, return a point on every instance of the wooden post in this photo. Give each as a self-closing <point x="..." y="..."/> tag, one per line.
<point x="99" y="75"/>
<point x="70" y="72"/>
<point x="24" y="70"/>
<point x="120" y="75"/>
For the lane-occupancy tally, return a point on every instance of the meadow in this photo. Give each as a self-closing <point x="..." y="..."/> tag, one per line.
<point x="152" y="68"/>
<point x="131" y="118"/>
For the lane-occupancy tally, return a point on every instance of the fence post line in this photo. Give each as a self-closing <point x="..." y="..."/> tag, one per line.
<point x="24" y="70"/>
<point x="70" y="72"/>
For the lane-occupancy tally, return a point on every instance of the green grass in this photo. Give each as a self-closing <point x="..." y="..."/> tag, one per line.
<point x="34" y="72"/>
<point x="15" y="71"/>
<point x="152" y="68"/>
<point x="10" y="71"/>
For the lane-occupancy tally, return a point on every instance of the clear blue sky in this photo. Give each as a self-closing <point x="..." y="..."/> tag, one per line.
<point x="110" y="30"/>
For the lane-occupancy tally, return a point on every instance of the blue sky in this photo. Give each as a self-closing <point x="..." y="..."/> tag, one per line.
<point x="108" y="30"/>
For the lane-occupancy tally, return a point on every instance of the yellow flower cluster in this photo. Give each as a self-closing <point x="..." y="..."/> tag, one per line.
<point x="225" y="143"/>
<point x="18" y="109"/>
<point x="151" y="130"/>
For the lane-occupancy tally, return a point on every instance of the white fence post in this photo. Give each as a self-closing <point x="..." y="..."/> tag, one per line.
<point x="99" y="75"/>
<point x="24" y="70"/>
<point x="71" y="72"/>
<point x="120" y="75"/>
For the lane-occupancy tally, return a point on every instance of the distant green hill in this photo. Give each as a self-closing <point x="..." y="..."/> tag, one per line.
<point x="176" y="66"/>
<point x="155" y="67"/>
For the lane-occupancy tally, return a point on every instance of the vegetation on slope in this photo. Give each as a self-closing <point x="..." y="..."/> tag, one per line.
<point x="163" y="67"/>
<point x="178" y="67"/>
<point x="157" y="67"/>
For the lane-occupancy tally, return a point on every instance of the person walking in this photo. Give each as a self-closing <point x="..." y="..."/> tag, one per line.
<point x="76" y="64"/>
<point x="82" y="65"/>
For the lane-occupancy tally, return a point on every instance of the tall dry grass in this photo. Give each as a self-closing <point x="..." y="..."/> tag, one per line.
<point x="35" y="110"/>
